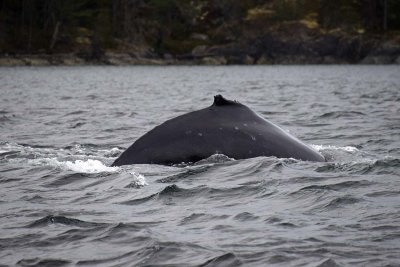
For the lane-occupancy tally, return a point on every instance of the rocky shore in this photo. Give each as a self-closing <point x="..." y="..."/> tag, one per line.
<point x="276" y="47"/>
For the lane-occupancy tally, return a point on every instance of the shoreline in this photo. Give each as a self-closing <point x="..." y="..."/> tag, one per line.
<point x="125" y="59"/>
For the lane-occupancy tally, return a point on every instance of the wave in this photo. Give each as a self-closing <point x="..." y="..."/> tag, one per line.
<point x="329" y="147"/>
<point x="343" y="153"/>
<point x="84" y="159"/>
<point x="214" y="159"/>
<point x="248" y="167"/>
<point x="82" y="151"/>
<point x="43" y="262"/>
<point x="88" y="166"/>
<point x="341" y="201"/>
<point x="201" y="218"/>
<point x="153" y="252"/>
<point x="339" y="186"/>
<point x="326" y="263"/>
<point x="187" y="172"/>
<point x="330" y="152"/>
<point x="54" y="219"/>
<point x="138" y="181"/>
<point x="384" y="193"/>
<point x="77" y="150"/>
<point x="79" y="166"/>
<point x="387" y="165"/>
<point x="228" y="259"/>
<point x="340" y="114"/>
<point x="91" y="159"/>
<point x="172" y="193"/>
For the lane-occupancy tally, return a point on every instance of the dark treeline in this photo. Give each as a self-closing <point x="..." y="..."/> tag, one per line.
<point x="168" y="26"/>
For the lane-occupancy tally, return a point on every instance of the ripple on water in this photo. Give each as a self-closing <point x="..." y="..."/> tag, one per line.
<point x="47" y="262"/>
<point x="52" y="219"/>
<point x="63" y="205"/>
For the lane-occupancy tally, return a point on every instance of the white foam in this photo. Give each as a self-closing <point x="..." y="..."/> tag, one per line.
<point x="81" y="166"/>
<point x="215" y="158"/>
<point x="89" y="166"/>
<point x="78" y="149"/>
<point x="111" y="152"/>
<point x="54" y="158"/>
<point x="139" y="179"/>
<point x="28" y="150"/>
<point x="328" y="147"/>
<point x="8" y="147"/>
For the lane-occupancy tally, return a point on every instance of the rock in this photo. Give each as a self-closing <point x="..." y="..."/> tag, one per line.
<point x="199" y="50"/>
<point x="325" y="45"/>
<point x="149" y="61"/>
<point x="114" y="58"/>
<point x="386" y="53"/>
<point x="378" y="59"/>
<point x="36" y="61"/>
<point x="331" y="60"/>
<point x="72" y="61"/>
<point x="283" y="45"/>
<point x="121" y="59"/>
<point x="65" y="59"/>
<point x="214" y="60"/>
<point x="248" y="60"/>
<point x="168" y="57"/>
<point x="10" y="62"/>
<point x="264" y="60"/>
<point x="199" y="36"/>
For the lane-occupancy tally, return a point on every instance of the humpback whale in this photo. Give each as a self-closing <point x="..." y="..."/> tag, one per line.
<point x="226" y="127"/>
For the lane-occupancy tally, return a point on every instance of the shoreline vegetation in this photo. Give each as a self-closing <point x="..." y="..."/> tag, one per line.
<point x="199" y="32"/>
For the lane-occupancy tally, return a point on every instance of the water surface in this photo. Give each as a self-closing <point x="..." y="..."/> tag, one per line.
<point x="62" y="205"/>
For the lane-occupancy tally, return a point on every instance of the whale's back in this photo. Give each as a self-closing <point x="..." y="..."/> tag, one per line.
<point x="228" y="128"/>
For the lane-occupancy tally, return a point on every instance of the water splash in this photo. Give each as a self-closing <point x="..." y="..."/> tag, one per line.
<point x="329" y="147"/>
<point x="138" y="181"/>
<point x="80" y="166"/>
<point x="342" y="153"/>
<point x="90" y="166"/>
<point x="74" y="158"/>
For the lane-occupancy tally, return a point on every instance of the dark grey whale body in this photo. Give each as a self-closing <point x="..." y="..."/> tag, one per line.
<point x="226" y="127"/>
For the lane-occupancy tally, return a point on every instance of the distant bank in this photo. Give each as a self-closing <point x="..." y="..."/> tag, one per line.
<point x="199" y="32"/>
<point x="322" y="52"/>
<point x="288" y="45"/>
<point x="122" y="59"/>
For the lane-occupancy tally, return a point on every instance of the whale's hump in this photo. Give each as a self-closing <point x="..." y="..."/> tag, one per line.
<point x="219" y="100"/>
<point x="226" y="127"/>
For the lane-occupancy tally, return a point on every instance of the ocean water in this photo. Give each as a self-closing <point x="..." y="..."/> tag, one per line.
<point x="62" y="205"/>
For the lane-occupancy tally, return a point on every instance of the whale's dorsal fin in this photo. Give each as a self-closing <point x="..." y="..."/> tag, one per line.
<point x="219" y="100"/>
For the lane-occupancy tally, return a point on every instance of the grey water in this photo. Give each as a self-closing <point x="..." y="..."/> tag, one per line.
<point x="62" y="205"/>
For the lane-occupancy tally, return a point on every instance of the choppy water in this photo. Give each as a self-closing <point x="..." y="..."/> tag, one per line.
<point x="61" y="205"/>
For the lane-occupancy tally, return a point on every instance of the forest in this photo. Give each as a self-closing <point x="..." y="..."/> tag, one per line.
<point x="178" y="28"/>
